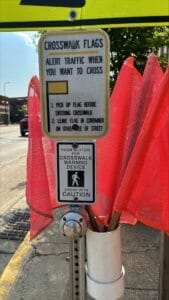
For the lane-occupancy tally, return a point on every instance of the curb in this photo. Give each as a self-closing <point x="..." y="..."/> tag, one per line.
<point x="13" y="268"/>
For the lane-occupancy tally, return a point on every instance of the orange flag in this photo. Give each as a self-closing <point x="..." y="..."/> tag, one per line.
<point x="111" y="148"/>
<point x="130" y="100"/>
<point x="40" y="190"/>
<point x="144" y="191"/>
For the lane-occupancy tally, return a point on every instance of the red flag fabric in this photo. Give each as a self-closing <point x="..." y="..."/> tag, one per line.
<point x="130" y="100"/>
<point x="144" y="191"/>
<point x="132" y="159"/>
<point x="150" y="82"/>
<point x="111" y="148"/>
<point x="149" y="85"/>
<point x="40" y="190"/>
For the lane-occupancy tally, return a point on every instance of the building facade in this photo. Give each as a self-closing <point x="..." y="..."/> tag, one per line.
<point x="12" y="110"/>
<point x="18" y="108"/>
<point x="4" y="110"/>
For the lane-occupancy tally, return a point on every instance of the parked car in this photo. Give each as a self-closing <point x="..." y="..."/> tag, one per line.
<point x="24" y="125"/>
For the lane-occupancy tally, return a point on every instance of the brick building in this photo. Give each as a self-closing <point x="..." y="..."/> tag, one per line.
<point x="4" y="110"/>
<point x="18" y="108"/>
<point x="12" y="110"/>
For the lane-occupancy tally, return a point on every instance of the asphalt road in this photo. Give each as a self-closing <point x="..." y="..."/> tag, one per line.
<point x="13" y="149"/>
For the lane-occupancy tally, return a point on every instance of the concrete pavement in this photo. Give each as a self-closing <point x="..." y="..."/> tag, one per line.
<point x="40" y="271"/>
<point x="12" y="230"/>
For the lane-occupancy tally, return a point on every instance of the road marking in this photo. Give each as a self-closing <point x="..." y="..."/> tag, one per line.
<point x="13" y="268"/>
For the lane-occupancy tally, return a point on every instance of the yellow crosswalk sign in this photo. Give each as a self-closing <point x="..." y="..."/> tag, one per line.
<point x="61" y="14"/>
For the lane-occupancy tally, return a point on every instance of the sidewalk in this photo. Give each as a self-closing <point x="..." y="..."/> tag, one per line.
<point x="41" y="270"/>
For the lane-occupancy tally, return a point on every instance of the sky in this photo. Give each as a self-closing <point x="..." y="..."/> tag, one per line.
<point x="18" y="63"/>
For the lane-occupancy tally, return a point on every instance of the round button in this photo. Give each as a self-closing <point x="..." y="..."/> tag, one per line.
<point x="72" y="229"/>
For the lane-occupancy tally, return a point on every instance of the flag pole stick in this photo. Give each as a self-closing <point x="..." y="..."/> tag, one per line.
<point x="96" y="226"/>
<point x="164" y="268"/>
<point x="114" y="221"/>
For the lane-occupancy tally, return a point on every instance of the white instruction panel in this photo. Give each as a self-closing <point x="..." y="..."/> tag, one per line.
<point x="76" y="172"/>
<point x="74" y="77"/>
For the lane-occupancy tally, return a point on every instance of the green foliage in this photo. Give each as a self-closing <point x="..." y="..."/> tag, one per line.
<point x="22" y="110"/>
<point x="138" y="42"/>
<point x="161" y="36"/>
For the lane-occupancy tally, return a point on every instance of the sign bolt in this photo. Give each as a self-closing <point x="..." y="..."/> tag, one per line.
<point x="75" y="145"/>
<point x="72" y="15"/>
<point x="75" y="127"/>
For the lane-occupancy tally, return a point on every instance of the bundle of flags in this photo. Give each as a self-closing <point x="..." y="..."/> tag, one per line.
<point x="132" y="159"/>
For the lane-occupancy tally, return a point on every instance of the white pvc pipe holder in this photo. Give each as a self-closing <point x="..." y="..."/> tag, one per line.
<point x="105" y="273"/>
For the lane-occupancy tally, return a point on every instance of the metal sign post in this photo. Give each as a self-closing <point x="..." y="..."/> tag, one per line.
<point x="74" y="76"/>
<point x="77" y="269"/>
<point x="73" y="224"/>
<point x="76" y="185"/>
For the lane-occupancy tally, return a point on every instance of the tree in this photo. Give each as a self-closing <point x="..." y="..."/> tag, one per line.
<point x="138" y="42"/>
<point x="22" y="110"/>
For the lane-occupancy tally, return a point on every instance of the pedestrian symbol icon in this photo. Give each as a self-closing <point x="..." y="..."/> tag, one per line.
<point x="75" y="178"/>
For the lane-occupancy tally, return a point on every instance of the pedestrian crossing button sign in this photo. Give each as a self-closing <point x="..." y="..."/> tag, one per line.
<point x="76" y="172"/>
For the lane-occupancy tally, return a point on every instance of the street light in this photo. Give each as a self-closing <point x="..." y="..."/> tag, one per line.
<point x="7" y="113"/>
<point x="5" y="83"/>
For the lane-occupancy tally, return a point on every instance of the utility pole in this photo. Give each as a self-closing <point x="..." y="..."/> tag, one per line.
<point x="6" y="103"/>
<point x="4" y="86"/>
